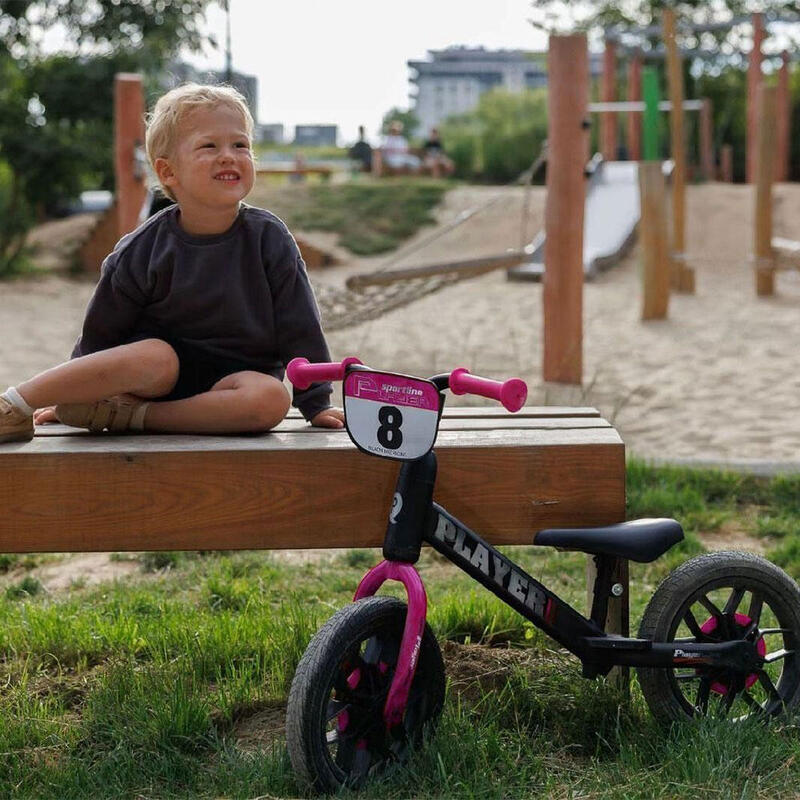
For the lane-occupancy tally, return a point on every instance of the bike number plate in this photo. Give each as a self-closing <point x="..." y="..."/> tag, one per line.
<point x="388" y="415"/>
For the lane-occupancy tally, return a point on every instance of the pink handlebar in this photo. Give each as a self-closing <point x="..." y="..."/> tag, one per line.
<point x="302" y="374"/>
<point x="511" y="393"/>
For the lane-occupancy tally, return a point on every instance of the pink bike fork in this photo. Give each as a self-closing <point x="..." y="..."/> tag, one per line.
<point x="396" y="700"/>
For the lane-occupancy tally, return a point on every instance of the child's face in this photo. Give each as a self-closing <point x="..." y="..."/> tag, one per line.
<point x="212" y="166"/>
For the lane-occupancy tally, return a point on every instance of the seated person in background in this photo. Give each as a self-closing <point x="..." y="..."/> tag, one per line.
<point x="395" y="152"/>
<point x="361" y="151"/>
<point x="435" y="159"/>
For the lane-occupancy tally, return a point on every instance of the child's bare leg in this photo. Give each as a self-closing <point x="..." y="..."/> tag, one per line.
<point x="241" y="402"/>
<point x="147" y="369"/>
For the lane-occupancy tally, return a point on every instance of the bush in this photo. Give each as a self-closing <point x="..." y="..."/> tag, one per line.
<point x="500" y="138"/>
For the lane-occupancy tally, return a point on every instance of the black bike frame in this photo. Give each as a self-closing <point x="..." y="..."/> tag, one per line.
<point x="416" y="518"/>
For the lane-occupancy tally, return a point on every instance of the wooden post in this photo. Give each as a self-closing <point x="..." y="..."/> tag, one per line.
<point x="706" y="141"/>
<point x="726" y="163"/>
<point x="682" y="276"/>
<point x="608" y="122"/>
<point x="764" y="256"/>
<point x="635" y="119"/>
<point x="128" y="138"/>
<point x="783" y="113"/>
<point x="754" y="80"/>
<point x="655" y="245"/>
<point x="567" y="100"/>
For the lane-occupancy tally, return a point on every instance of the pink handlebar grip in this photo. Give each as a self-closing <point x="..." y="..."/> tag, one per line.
<point x="511" y="393"/>
<point x="302" y="374"/>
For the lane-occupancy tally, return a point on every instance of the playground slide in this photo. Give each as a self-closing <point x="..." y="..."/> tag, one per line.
<point x="609" y="223"/>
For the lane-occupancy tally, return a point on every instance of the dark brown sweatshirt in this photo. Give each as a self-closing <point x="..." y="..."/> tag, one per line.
<point x="243" y="294"/>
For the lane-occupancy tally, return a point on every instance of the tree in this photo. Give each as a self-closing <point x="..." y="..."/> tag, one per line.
<point x="501" y="137"/>
<point x="408" y="119"/>
<point x="721" y="46"/>
<point x="56" y="110"/>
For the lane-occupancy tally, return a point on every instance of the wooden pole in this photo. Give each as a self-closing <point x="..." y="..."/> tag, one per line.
<point x="608" y="122"/>
<point x="634" y="119"/>
<point x="128" y="137"/>
<point x="783" y="113"/>
<point x="726" y="163"/>
<point x="682" y="276"/>
<point x="706" y="141"/>
<point x="764" y="255"/>
<point x="655" y="246"/>
<point x="754" y="80"/>
<point x="567" y="99"/>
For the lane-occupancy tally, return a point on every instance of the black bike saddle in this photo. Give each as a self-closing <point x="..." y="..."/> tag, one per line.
<point x="638" y="540"/>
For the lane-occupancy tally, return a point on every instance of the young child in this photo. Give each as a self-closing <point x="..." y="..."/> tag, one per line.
<point x="198" y="310"/>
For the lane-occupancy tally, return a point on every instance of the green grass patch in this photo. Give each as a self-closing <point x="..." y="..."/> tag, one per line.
<point x="370" y="217"/>
<point x="143" y="688"/>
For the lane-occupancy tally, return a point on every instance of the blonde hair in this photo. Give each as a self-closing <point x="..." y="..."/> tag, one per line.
<point x="162" y="123"/>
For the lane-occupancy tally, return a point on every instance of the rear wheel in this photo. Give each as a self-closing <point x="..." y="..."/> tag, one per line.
<point x="335" y="730"/>
<point x="722" y="597"/>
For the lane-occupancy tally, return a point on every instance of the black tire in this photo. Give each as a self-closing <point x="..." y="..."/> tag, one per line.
<point x="366" y="636"/>
<point x="723" y="597"/>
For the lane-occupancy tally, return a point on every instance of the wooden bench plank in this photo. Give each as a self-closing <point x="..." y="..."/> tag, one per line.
<point x="298" y="487"/>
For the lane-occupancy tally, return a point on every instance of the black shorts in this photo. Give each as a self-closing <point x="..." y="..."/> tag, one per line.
<point x="198" y="371"/>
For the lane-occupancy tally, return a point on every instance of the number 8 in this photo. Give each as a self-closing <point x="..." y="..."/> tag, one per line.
<point x="389" y="433"/>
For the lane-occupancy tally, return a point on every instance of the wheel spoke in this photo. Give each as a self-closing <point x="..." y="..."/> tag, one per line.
<point x="691" y="623"/>
<point x="710" y="607"/>
<point x="768" y="685"/>
<point x="767" y="631"/>
<point x="728" y="700"/>
<point x="703" y="690"/>
<point x="754" y="611"/>
<point x="335" y="707"/>
<point x="737" y="593"/>
<point x="777" y="656"/>
<point x="751" y="701"/>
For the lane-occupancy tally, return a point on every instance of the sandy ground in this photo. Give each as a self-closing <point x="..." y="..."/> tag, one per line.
<point x="719" y="380"/>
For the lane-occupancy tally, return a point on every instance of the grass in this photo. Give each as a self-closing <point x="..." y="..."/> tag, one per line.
<point x="141" y="689"/>
<point x="371" y="217"/>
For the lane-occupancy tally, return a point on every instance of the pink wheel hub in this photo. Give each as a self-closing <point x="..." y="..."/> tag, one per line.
<point x="710" y="625"/>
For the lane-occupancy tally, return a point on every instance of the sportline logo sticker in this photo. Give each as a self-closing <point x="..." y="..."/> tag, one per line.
<point x="391" y="415"/>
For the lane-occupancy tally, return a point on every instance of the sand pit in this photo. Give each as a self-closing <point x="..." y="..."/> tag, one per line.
<point x="718" y="381"/>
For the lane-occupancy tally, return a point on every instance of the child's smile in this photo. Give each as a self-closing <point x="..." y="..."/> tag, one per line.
<point x="212" y="168"/>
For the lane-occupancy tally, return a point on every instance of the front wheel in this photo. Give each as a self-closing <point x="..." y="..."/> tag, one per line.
<point x="721" y="597"/>
<point x="335" y="732"/>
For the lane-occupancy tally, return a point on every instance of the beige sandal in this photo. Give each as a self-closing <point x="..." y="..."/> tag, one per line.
<point x="115" y="414"/>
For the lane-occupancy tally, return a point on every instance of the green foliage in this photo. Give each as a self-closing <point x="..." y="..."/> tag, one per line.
<point x="408" y="119"/>
<point x="56" y="110"/>
<point x="27" y="587"/>
<point x="500" y="138"/>
<point x="370" y="217"/>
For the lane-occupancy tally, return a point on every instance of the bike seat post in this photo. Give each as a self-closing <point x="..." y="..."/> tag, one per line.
<point x="411" y="508"/>
<point x="606" y="567"/>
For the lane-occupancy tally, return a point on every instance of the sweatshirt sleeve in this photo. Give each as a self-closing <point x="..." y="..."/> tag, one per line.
<point x="112" y="311"/>
<point x="297" y="323"/>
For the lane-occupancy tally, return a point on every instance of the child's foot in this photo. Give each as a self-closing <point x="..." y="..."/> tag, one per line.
<point x="15" y="425"/>
<point x="117" y="414"/>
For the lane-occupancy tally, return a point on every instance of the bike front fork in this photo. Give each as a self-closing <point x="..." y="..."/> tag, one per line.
<point x="405" y="573"/>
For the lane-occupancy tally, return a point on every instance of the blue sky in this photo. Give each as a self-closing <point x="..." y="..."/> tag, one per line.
<point x="345" y="62"/>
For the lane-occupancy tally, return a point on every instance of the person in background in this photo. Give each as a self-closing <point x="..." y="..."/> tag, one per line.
<point x="395" y="152"/>
<point x="436" y="160"/>
<point x="361" y="151"/>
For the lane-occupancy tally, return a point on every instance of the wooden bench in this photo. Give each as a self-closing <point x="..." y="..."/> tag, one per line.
<point x="288" y="170"/>
<point x="506" y="476"/>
